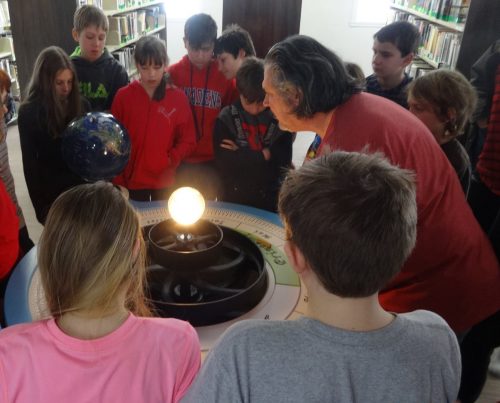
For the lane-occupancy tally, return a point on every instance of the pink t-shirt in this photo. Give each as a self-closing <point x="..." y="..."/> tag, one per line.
<point x="144" y="360"/>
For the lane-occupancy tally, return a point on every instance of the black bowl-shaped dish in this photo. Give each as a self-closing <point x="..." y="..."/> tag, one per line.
<point x="184" y="248"/>
<point x="232" y="286"/>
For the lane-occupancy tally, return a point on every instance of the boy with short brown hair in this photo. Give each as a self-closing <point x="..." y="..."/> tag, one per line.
<point x="351" y="222"/>
<point x="100" y="75"/>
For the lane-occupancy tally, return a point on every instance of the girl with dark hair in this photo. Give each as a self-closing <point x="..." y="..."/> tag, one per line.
<point x="159" y="121"/>
<point x="52" y="101"/>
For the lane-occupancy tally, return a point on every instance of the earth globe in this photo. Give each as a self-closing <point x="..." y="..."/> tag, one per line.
<point x="96" y="146"/>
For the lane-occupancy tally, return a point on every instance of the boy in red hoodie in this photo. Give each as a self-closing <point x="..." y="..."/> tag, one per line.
<point x="208" y="92"/>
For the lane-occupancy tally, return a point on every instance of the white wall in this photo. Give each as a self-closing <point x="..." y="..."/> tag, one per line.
<point x="178" y="11"/>
<point x="326" y="20"/>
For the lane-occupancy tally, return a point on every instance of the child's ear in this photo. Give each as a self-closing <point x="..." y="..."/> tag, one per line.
<point x="241" y="54"/>
<point x="408" y="58"/>
<point x="186" y="43"/>
<point x="75" y="35"/>
<point x="295" y="257"/>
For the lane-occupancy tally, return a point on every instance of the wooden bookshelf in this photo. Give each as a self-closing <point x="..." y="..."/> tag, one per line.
<point x="145" y="4"/>
<point x="429" y="61"/>
<point x="436" y="21"/>
<point x="113" y="48"/>
<point x="480" y="30"/>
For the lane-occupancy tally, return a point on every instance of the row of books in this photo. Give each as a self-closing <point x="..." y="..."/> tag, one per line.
<point x="126" y="57"/>
<point x="438" y="44"/>
<point x="122" y="4"/>
<point x="115" y="4"/>
<point x="447" y="10"/>
<point x="125" y="27"/>
<point x="418" y="68"/>
<point x="97" y="3"/>
<point x="4" y="14"/>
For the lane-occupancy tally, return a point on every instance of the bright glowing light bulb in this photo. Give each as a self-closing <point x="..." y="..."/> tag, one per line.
<point x="186" y="205"/>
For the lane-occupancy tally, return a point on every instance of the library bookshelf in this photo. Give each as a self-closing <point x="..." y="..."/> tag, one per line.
<point x="454" y="33"/>
<point x="7" y="55"/>
<point x="129" y="20"/>
<point x="37" y="24"/>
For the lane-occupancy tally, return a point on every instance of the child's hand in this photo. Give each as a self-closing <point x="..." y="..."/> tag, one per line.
<point x="229" y="145"/>
<point x="267" y="154"/>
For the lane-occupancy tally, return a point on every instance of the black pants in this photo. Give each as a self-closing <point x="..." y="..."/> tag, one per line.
<point x="478" y="345"/>
<point x="476" y="349"/>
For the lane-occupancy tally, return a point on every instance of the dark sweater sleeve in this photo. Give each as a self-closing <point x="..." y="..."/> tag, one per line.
<point x="29" y="130"/>
<point x="482" y="78"/>
<point x="242" y="158"/>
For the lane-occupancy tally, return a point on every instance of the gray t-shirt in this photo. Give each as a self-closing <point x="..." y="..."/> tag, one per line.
<point x="414" y="359"/>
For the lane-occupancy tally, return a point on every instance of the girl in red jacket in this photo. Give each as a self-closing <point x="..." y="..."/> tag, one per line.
<point x="159" y="121"/>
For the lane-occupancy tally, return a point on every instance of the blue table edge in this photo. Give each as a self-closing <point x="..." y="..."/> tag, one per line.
<point x="16" y="303"/>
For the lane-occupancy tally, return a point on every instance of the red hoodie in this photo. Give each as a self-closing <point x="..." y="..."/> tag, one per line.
<point x="208" y="92"/>
<point x="9" y="230"/>
<point x="161" y="133"/>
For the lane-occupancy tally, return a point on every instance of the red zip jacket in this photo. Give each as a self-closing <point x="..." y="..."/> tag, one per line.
<point x="208" y="92"/>
<point x="9" y="229"/>
<point x="161" y="133"/>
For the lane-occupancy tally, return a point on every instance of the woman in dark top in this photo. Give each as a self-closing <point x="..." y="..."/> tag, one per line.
<point x="444" y="101"/>
<point x="53" y="100"/>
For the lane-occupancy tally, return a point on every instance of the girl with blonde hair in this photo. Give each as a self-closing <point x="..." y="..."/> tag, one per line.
<point x="95" y="348"/>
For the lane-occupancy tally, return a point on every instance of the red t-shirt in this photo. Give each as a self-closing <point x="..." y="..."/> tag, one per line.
<point x="452" y="270"/>
<point x="208" y="92"/>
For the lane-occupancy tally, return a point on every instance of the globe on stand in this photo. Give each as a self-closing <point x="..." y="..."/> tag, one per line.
<point x="96" y="146"/>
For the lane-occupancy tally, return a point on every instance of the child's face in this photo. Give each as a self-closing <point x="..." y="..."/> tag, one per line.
<point x="387" y="61"/>
<point x="229" y="65"/>
<point x="63" y="83"/>
<point x="424" y="111"/>
<point x="253" y="108"/>
<point x="151" y="75"/>
<point x="92" y="40"/>
<point x="200" y="57"/>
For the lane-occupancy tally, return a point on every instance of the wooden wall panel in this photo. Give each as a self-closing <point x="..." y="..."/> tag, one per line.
<point x="268" y="21"/>
<point x="37" y="24"/>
